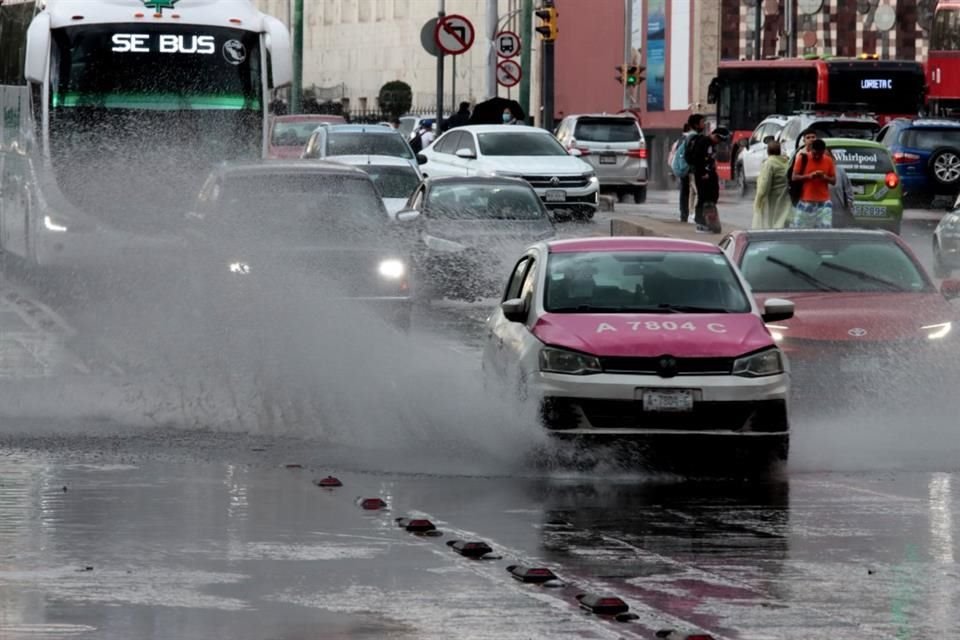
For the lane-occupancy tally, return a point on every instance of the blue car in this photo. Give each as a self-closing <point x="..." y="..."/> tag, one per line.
<point x="926" y="153"/>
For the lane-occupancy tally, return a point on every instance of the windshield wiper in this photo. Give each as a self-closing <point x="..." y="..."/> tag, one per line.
<point x="589" y="308"/>
<point x="689" y="308"/>
<point x="662" y="308"/>
<point x="863" y="275"/>
<point x="797" y="271"/>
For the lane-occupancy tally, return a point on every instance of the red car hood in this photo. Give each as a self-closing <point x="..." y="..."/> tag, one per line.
<point x="284" y="153"/>
<point x="701" y="335"/>
<point x="862" y="317"/>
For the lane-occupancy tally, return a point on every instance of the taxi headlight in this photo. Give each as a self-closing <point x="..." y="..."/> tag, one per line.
<point x="391" y="269"/>
<point x="937" y="331"/>
<point x="764" y="363"/>
<point x="554" y="360"/>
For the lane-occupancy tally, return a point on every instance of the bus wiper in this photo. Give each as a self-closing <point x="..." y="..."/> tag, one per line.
<point x="803" y="275"/>
<point x="863" y="275"/>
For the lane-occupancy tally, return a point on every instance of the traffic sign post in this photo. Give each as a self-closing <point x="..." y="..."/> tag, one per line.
<point x="507" y="44"/>
<point x="509" y="73"/>
<point x="454" y="34"/>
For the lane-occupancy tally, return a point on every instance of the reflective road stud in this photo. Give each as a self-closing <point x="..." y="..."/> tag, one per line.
<point x="602" y="605"/>
<point x="416" y="525"/>
<point x="533" y="575"/>
<point x="328" y="482"/>
<point x="371" y="504"/>
<point x="470" y="549"/>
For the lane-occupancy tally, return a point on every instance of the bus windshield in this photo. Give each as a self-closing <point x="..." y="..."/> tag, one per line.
<point x="749" y="95"/>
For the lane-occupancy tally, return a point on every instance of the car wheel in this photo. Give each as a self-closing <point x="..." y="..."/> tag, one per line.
<point x="640" y="195"/>
<point x="945" y="167"/>
<point x="741" y="182"/>
<point x="940" y="268"/>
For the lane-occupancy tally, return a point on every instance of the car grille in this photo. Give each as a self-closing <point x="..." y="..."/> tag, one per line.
<point x="562" y="182"/>
<point x="761" y="416"/>
<point x="667" y="367"/>
<point x="590" y="199"/>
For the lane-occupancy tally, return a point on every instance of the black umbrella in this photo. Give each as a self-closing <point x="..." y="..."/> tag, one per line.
<point x="491" y="111"/>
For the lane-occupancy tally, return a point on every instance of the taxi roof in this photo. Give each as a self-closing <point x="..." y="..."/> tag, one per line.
<point x="629" y="243"/>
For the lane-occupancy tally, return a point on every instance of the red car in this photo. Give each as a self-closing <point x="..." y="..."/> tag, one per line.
<point x="289" y="134"/>
<point x="867" y="313"/>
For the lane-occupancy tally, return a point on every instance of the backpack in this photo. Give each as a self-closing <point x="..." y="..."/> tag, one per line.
<point x="796" y="188"/>
<point x="679" y="164"/>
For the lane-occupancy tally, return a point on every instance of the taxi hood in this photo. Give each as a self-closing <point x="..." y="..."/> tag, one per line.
<point x="690" y="335"/>
<point x="862" y="317"/>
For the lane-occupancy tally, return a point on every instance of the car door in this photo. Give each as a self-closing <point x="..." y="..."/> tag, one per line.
<point x="471" y="166"/>
<point x="441" y="156"/>
<point x="500" y="331"/>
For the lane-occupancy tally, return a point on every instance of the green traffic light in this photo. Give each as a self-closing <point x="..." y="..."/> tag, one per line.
<point x="631" y="80"/>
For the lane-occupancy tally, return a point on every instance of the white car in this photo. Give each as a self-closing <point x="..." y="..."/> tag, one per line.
<point x="561" y="179"/>
<point x="649" y="338"/>
<point x="395" y="178"/>
<point x="754" y="152"/>
<point x="827" y="124"/>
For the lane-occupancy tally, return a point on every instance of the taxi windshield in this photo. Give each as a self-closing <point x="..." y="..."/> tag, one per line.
<point x="642" y="282"/>
<point x="831" y="264"/>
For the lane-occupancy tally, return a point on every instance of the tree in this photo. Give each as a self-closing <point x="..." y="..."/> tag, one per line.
<point x="395" y="98"/>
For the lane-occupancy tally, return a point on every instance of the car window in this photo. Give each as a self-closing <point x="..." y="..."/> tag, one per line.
<point x="360" y="143"/>
<point x="758" y="134"/>
<point x="519" y="143"/>
<point x="830" y="264"/>
<point x="416" y="200"/>
<point x="792" y="130"/>
<point x="447" y="144"/>
<point x="862" y="159"/>
<point x="929" y="138"/>
<point x="312" y="149"/>
<point x="845" y="129"/>
<point x="393" y="182"/>
<point x="292" y="134"/>
<point x="516" y="279"/>
<point x="642" y="281"/>
<point x="484" y="201"/>
<point x="607" y="130"/>
<point x="466" y="141"/>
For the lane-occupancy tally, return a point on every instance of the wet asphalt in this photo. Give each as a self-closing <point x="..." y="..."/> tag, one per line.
<point x="120" y="518"/>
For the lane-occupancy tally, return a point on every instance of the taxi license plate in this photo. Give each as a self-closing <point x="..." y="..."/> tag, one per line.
<point x="608" y="158"/>
<point x="555" y="195"/>
<point x="663" y="400"/>
<point x="863" y="211"/>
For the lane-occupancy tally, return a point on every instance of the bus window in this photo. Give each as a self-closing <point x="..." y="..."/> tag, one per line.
<point x="945" y="35"/>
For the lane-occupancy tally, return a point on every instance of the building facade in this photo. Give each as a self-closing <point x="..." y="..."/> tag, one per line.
<point x="892" y="29"/>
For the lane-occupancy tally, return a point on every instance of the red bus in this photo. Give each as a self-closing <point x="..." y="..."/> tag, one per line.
<point x="943" y="59"/>
<point x="747" y="91"/>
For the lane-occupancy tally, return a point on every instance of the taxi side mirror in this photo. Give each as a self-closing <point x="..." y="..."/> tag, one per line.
<point x="515" y="309"/>
<point x="777" y="310"/>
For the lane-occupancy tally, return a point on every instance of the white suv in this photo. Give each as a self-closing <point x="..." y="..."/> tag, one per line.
<point x="827" y="125"/>
<point x="752" y="154"/>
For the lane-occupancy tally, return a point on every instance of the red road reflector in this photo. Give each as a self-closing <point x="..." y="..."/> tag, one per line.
<point x="602" y="605"/>
<point x="534" y="575"/>
<point x="671" y="634"/>
<point x="416" y="525"/>
<point x="371" y="504"/>
<point x="328" y="482"/>
<point x="470" y="549"/>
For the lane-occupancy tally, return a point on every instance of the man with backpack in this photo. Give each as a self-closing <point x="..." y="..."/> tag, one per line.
<point x="679" y="167"/>
<point x="699" y="154"/>
<point x="812" y="175"/>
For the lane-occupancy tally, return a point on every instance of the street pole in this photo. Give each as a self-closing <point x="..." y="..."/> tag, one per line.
<point x="296" y="89"/>
<point x="548" y="85"/>
<point x="526" y="47"/>
<point x="441" y="12"/>
<point x="453" y="87"/>
<point x="790" y="29"/>
<point x="492" y="20"/>
<point x="627" y="46"/>
<point x="757" y="31"/>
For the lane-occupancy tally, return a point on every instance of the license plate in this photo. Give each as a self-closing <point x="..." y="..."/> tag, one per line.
<point x="679" y="400"/>
<point x="859" y="189"/>
<point x="863" y="211"/>
<point x="608" y="158"/>
<point x="555" y="195"/>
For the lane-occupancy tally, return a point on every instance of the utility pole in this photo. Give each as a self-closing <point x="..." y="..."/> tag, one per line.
<point x="492" y="19"/>
<point x="627" y="47"/>
<point x="441" y="12"/>
<point x="791" y="29"/>
<point x="757" y="31"/>
<point x="296" y="88"/>
<point x="526" y="47"/>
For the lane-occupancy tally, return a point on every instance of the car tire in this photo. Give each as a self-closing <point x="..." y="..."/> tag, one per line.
<point x="740" y="179"/>
<point x="944" y="167"/>
<point x="940" y="268"/>
<point x="640" y="195"/>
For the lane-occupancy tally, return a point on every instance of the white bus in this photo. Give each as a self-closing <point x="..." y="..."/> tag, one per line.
<point x="117" y="113"/>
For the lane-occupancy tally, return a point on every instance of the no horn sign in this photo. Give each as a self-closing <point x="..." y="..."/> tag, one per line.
<point x="508" y="73"/>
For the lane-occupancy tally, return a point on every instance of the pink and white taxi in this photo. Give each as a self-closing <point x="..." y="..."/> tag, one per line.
<point x="642" y="337"/>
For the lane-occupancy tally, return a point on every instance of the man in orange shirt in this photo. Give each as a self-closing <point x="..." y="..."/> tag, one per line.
<point x="815" y="171"/>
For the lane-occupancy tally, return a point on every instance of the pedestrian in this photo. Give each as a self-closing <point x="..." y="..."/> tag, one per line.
<point x="703" y="165"/>
<point x="681" y="170"/>
<point x="841" y="196"/>
<point x="395" y="123"/>
<point x="422" y="137"/>
<point x="508" y="117"/>
<point x="772" y="206"/>
<point x="815" y="172"/>
<point x="459" y="119"/>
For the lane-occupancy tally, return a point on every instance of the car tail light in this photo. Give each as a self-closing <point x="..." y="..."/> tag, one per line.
<point x="901" y="157"/>
<point x="638" y="153"/>
<point x="583" y="151"/>
<point x="892" y="180"/>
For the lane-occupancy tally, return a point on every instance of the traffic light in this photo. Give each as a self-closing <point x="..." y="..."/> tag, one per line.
<point x="548" y="27"/>
<point x="630" y="74"/>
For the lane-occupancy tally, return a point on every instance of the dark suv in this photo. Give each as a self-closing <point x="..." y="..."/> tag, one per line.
<point x="927" y="156"/>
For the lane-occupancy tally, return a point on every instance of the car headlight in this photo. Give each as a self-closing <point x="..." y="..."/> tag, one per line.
<point x="554" y="360"/>
<point x="776" y="331"/>
<point x="592" y="178"/>
<point x="937" y="331"/>
<point x="392" y="269"/>
<point x="764" y="363"/>
<point x="50" y="224"/>
<point x="440" y="244"/>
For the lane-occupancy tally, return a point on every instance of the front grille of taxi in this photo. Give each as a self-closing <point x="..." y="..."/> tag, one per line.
<point x="763" y="416"/>
<point x="664" y="364"/>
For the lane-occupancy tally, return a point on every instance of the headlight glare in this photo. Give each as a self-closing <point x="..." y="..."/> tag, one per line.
<point x="764" y="363"/>
<point x="241" y="268"/>
<point x="52" y="225"/>
<point x="554" y="360"/>
<point x="776" y="331"/>
<point x="937" y="331"/>
<point x="392" y="269"/>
